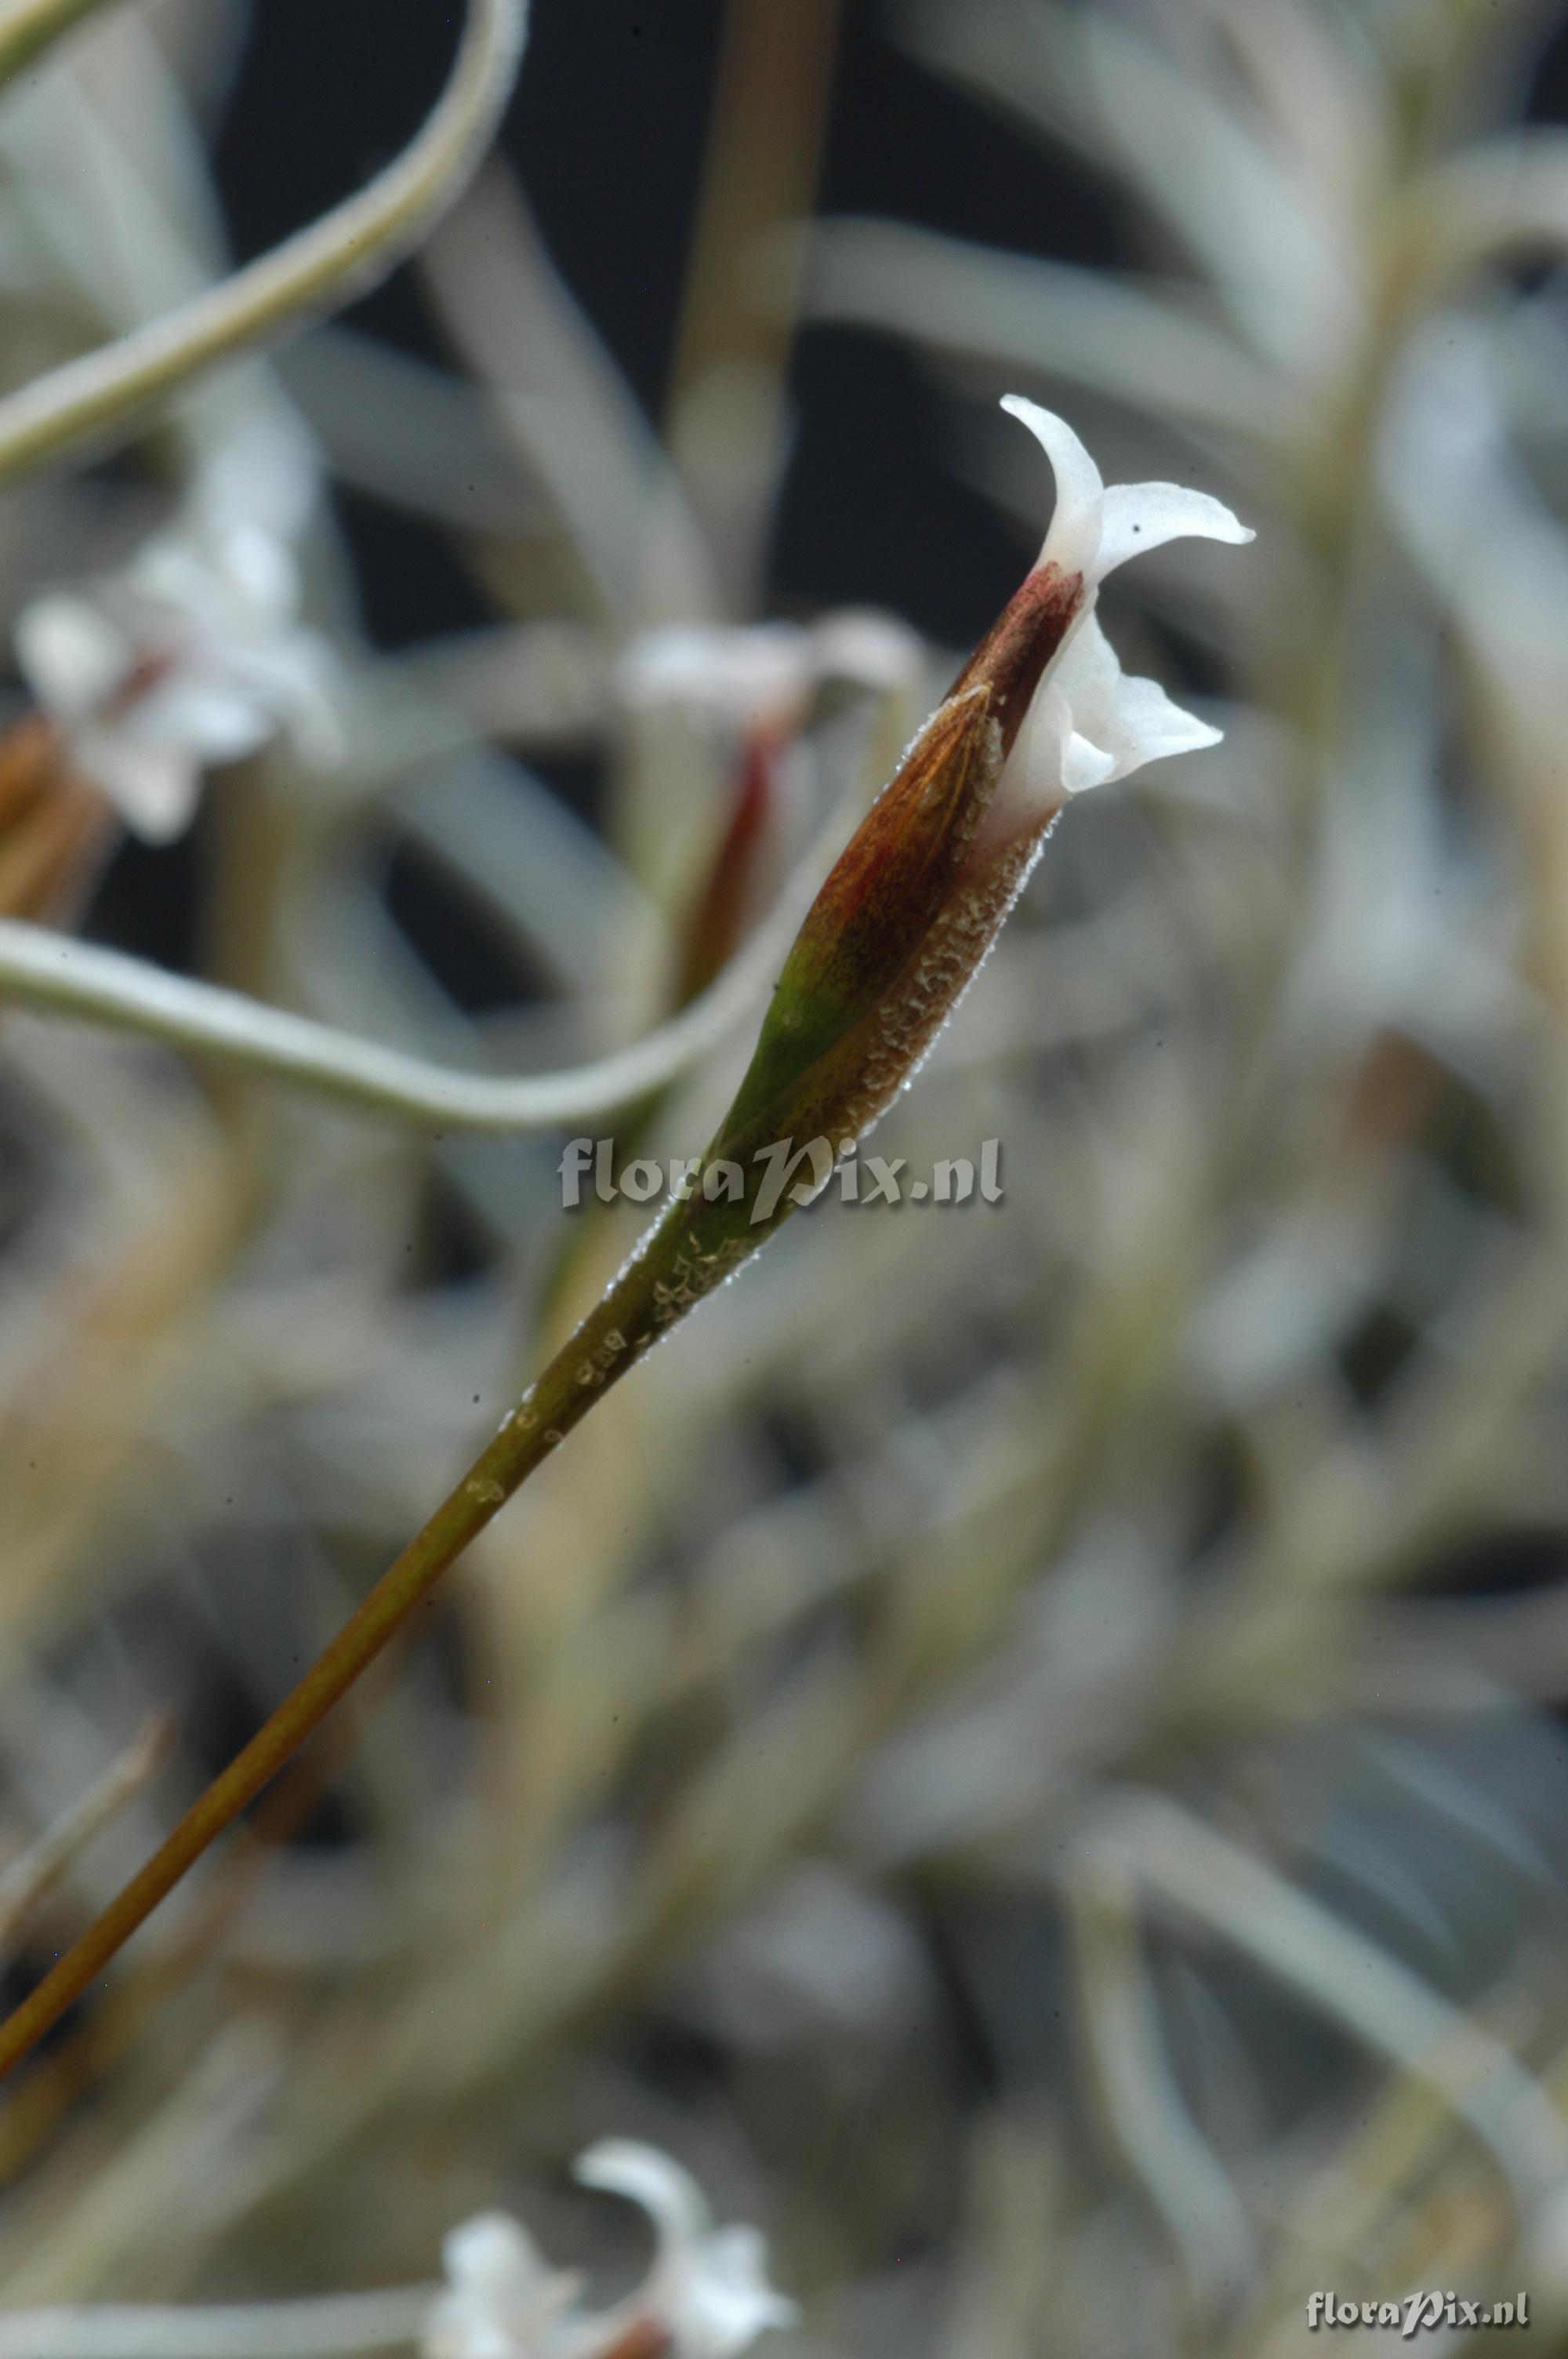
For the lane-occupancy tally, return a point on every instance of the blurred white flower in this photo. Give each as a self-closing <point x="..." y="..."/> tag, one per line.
<point x="502" y="2301"/>
<point x="708" y="2287"/>
<point x="1090" y="721"/>
<point x="193" y="656"/>
<point x="766" y="673"/>
<point x="706" y="2297"/>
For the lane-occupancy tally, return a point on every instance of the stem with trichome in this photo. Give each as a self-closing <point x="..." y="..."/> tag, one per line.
<point x="901" y="923"/>
<point x="626" y="1322"/>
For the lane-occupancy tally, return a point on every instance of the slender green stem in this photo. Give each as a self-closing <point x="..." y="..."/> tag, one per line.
<point x="888" y="942"/>
<point x="319" y="268"/>
<point x="30" y="26"/>
<point x="697" y="1241"/>
<point x="633" y="1314"/>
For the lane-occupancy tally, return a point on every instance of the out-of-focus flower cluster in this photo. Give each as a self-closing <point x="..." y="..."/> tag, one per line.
<point x="706" y="2297"/>
<point x="192" y="656"/>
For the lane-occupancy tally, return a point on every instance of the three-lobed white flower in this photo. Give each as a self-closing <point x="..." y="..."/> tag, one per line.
<point x="193" y="656"/>
<point x="707" y="2295"/>
<point x="1090" y="721"/>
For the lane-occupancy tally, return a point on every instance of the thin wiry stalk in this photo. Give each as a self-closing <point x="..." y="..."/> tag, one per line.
<point x="1145" y="2116"/>
<point x="102" y="396"/>
<point x="54" y="972"/>
<point x="889" y="943"/>
<point x="337" y="2326"/>
<point x="25" y="1880"/>
<point x="495" y="1474"/>
<point x="636" y="1312"/>
<point x="1353" y="1981"/>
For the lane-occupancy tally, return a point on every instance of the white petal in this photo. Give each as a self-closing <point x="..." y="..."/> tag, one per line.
<point x="494" y="2255"/>
<point x="206" y="721"/>
<point x="1147" y="727"/>
<point x="501" y="2302"/>
<point x="70" y="654"/>
<point x="876" y="651"/>
<point x="155" y="786"/>
<point x="1088" y="679"/>
<point x="294" y="678"/>
<point x="672" y="666"/>
<point x="725" y="2300"/>
<point x="1085" y="764"/>
<point x="1074" y="539"/>
<point x="734" y="676"/>
<point x="166" y="573"/>
<point x="1089" y="723"/>
<point x="708" y="2287"/>
<point x="1145" y="515"/>
<point x="1031" y="788"/>
<point x="1119" y="723"/>
<point x="670" y="2196"/>
<point x="1088" y="673"/>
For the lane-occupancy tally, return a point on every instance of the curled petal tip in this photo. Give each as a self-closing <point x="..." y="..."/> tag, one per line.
<point x="1079" y="519"/>
<point x="645" y="2175"/>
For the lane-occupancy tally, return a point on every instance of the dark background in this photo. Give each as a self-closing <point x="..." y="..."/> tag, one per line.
<point x="608" y="130"/>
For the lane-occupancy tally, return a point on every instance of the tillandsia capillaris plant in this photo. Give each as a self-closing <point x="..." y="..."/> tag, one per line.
<point x="1042" y="710"/>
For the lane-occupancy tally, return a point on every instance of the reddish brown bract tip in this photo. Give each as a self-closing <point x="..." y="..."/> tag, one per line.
<point x="1011" y="659"/>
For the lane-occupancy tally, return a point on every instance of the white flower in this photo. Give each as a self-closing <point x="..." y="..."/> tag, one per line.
<point x="706" y="2297"/>
<point x="192" y="656"/>
<point x="708" y="2287"/>
<point x="766" y="673"/>
<point x="501" y="2301"/>
<point x="1090" y="723"/>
